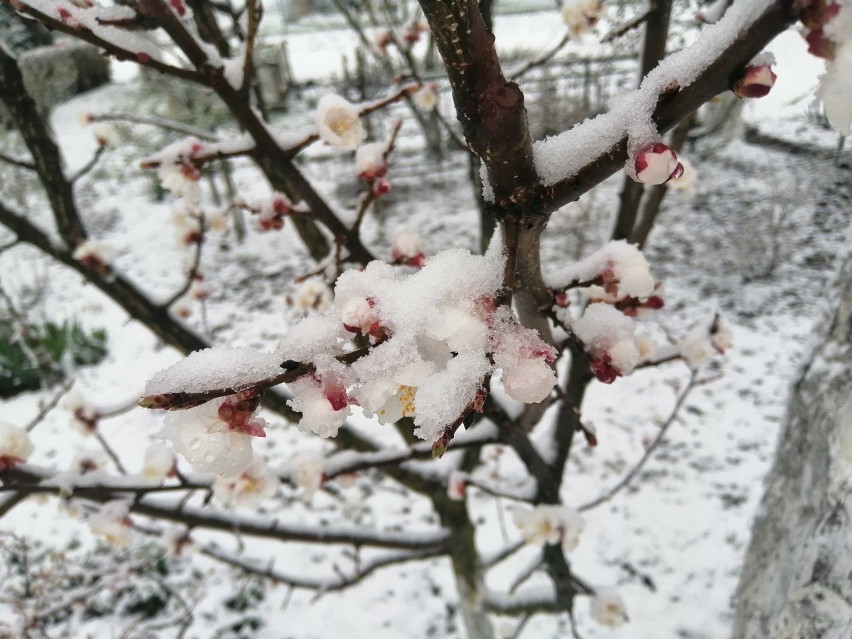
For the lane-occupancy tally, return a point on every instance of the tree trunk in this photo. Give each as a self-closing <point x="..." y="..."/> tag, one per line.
<point x="797" y="578"/>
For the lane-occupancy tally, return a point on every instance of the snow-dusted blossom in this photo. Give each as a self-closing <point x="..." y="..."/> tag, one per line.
<point x="272" y="211"/>
<point x="426" y="97"/>
<point x="182" y="181"/>
<point x="359" y="316"/>
<point x="92" y="254"/>
<point x="607" y="608"/>
<point x="618" y="268"/>
<point x="15" y="446"/>
<point x="609" y="339"/>
<point x="407" y="248"/>
<point x="106" y="134"/>
<point x="550" y="524"/>
<point x="84" y="417"/>
<point x="654" y="164"/>
<point x="111" y="521"/>
<point x="179" y="170"/>
<point x="756" y="82"/>
<point x="370" y="161"/>
<point x="696" y="349"/>
<point x="324" y="406"/>
<point x="338" y="123"/>
<point x="159" y="463"/>
<point x="580" y="15"/>
<point x="214" y="437"/>
<point x="527" y="363"/>
<point x="249" y="488"/>
<point x="456" y="485"/>
<point x="308" y="473"/>
<point x="312" y="295"/>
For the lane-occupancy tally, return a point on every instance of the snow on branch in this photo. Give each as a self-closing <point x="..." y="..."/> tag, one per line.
<point x="576" y="160"/>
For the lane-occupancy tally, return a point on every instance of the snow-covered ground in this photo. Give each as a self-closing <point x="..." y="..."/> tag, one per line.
<point x="673" y="543"/>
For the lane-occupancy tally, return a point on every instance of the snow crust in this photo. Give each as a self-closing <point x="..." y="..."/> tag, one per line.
<point x="215" y="368"/>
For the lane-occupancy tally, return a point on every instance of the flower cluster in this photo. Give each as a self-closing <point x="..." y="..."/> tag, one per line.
<point x="437" y="334"/>
<point x="618" y="280"/>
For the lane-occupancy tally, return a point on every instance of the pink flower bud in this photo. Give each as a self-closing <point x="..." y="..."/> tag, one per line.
<point x="143" y="58"/>
<point x="655" y="164"/>
<point x="602" y="368"/>
<point x="756" y="82"/>
<point x="381" y="187"/>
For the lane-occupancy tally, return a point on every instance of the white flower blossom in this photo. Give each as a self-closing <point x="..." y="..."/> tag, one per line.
<point x="308" y="472"/>
<point x="112" y="523"/>
<point x="426" y="97"/>
<point x="338" y="123"/>
<point x="106" y="134"/>
<point x="313" y="295"/>
<point x="249" y="488"/>
<point x="550" y="524"/>
<point x="207" y="442"/>
<point x="696" y="348"/>
<point x="579" y="15"/>
<point x="607" y="608"/>
<point x="159" y="463"/>
<point x="15" y="446"/>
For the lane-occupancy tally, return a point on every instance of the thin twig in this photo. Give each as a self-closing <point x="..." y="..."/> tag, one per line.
<point x="649" y="451"/>
<point x="89" y="165"/>
<point x="162" y="123"/>
<point x="542" y="59"/>
<point x="24" y="164"/>
<point x="617" y="32"/>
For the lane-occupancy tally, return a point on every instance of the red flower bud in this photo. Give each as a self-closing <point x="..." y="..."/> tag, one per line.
<point x="756" y="82"/>
<point x="656" y="164"/>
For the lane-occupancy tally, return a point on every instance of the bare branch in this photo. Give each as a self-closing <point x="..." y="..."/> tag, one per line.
<point x="20" y="163"/>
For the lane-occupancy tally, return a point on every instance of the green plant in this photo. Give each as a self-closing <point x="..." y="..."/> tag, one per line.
<point x="42" y="352"/>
